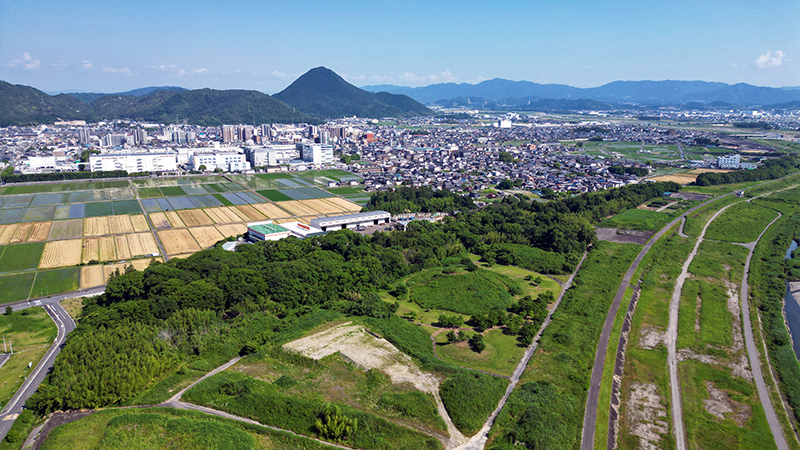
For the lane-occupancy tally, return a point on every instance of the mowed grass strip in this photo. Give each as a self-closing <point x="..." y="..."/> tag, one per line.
<point x="206" y="236"/>
<point x="61" y="254"/>
<point x="16" y="287"/>
<point x="17" y="258"/>
<point x="178" y="241"/>
<point x="50" y="282"/>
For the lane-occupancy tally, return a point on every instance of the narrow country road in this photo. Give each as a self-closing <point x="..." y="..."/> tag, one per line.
<point x="478" y="441"/>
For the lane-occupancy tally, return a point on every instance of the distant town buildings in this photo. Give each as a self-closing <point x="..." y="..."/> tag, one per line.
<point x="729" y="161"/>
<point x="134" y="162"/>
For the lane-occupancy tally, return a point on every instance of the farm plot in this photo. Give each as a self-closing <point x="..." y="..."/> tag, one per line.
<point x="195" y="217"/>
<point x="172" y="191"/>
<point x="324" y="206"/>
<point x="40" y="231"/>
<point x="95" y="226"/>
<point x="223" y="215"/>
<point x="232" y="230"/>
<point x="274" y="195"/>
<point x="347" y="205"/>
<point x="139" y="223"/>
<point x="49" y="199"/>
<point x="109" y="269"/>
<point x="297" y="208"/>
<point x="178" y="241"/>
<point x="149" y="192"/>
<point x="224" y="201"/>
<point x="98" y="209"/>
<point x="92" y="276"/>
<point x="151" y="205"/>
<point x="21" y="257"/>
<point x="18" y="201"/>
<point x="141" y="264"/>
<point x="77" y="211"/>
<point x="175" y="219"/>
<point x="61" y="253"/>
<point x="120" y="224"/>
<point x="90" y="250"/>
<point x="250" y="212"/>
<point x="6" y="231"/>
<point x="106" y="248"/>
<point x="126" y="207"/>
<point x="160" y="221"/>
<point x="66" y="229"/>
<point x="177" y="203"/>
<point x="206" y="236"/>
<point x="21" y="234"/>
<point x="123" y="249"/>
<point x="142" y="244"/>
<point x="16" y="287"/>
<point x="39" y="213"/>
<point x="56" y="282"/>
<point x="233" y="198"/>
<point x="12" y="215"/>
<point x="62" y="212"/>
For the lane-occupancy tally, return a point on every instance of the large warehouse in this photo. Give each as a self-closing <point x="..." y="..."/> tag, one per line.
<point x="267" y="231"/>
<point x="364" y="219"/>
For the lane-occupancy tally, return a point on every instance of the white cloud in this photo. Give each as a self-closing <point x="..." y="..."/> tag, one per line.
<point x="87" y="64"/>
<point x="27" y="62"/>
<point x="123" y="71"/>
<point x="768" y="60"/>
<point x="277" y="74"/>
<point x="201" y="71"/>
<point x="163" y="68"/>
<point x="444" y="77"/>
<point x="181" y="73"/>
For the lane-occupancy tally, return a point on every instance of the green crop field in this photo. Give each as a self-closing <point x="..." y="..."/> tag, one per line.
<point x="149" y="192"/>
<point x="742" y="222"/>
<point x="346" y="190"/>
<point x="173" y="191"/>
<point x="56" y="282"/>
<point x="19" y="257"/>
<point x="126" y="207"/>
<point x="16" y="287"/>
<point x="98" y="209"/>
<point x="274" y="195"/>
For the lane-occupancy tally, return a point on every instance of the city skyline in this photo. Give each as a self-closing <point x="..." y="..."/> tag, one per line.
<point x="95" y="47"/>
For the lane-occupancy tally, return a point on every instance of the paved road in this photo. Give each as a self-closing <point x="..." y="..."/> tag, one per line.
<point x="65" y="325"/>
<point x="478" y="441"/>
<point x="54" y="299"/>
<point x="755" y="363"/>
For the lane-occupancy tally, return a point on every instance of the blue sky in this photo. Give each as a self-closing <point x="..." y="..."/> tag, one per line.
<point x="111" y="46"/>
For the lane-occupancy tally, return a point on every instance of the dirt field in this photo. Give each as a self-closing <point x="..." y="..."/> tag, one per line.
<point x="271" y="211"/>
<point x="687" y="177"/>
<point x="90" y="250"/>
<point x="61" y="253"/>
<point x="123" y="249"/>
<point x="175" y="219"/>
<point x="224" y="215"/>
<point x="106" y="248"/>
<point x="178" y="241"/>
<point x="142" y="244"/>
<point x="346" y="205"/>
<point x="40" y="231"/>
<point x="181" y="256"/>
<point x="250" y="212"/>
<point x="367" y="352"/>
<point x="206" y="236"/>
<point x="612" y="235"/>
<point x="120" y="224"/>
<point x="95" y="226"/>
<point x="139" y="223"/>
<point x="6" y="231"/>
<point x="297" y="208"/>
<point x="232" y="230"/>
<point x="91" y="276"/>
<point x="195" y="217"/>
<point x="66" y="229"/>
<point x="21" y="233"/>
<point x="160" y="221"/>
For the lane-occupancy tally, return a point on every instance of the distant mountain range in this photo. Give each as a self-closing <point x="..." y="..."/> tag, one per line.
<point x="652" y="93"/>
<point x="317" y="95"/>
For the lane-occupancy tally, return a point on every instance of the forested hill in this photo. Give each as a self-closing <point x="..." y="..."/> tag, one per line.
<point x="193" y="314"/>
<point x="323" y="93"/>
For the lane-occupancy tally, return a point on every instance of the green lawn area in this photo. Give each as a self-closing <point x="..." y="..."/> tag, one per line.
<point x="638" y="219"/>
<point x="149" y="192"/>
<point x="173" y="191"/>
<point x="346" y="190"/>
<point x="274" y="195"/>
<point x="501" y="356"/>
<point x="19" y="257"/>
<point x="56" y="281"/>
<point x="742" y="222"/>
<point x="31" y="333"/>
<point x="16" y="287"/>
<point x="98" y="209"/>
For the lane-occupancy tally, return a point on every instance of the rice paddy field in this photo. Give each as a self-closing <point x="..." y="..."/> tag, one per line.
<point x="58" y="237"/>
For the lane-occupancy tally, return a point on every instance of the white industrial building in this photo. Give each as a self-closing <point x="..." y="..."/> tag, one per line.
<point x="318" y="154"/>
<point x="364" y="219"/>
<point x="134" y="162"/>
<point x="728" y="161"/>
<point x="228" y="161"/>
<point x="271" y="155"/>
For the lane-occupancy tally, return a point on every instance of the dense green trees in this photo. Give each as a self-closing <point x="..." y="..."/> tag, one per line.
<point x="770" y="170"/>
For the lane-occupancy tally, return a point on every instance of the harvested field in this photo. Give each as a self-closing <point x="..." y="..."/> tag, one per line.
<point x="232" y="230"/>
<point x="297" y="208"/>
<point x="106" y="248"/>
<point x="206" y="236"/>
<point x="95" y="226"/>
<point x="687" y="177"/>
<point x="271" y="211"/>
<point x="61" y="254"/>
<point x="92" y="276"/>
<point x="90" y="250"/>
<point x="181" y="256"/>
<point x="293" y="219"/>
<point x="250" y="212"/>
<point x="123" y="249"/>
<point x="178" y="241"/>
<point x="139" y="223"/>
<point x="323" y="206"/>
<point x="223" y="215"/>
<point x="235" y="211"/>
<point x="21" y="234"/>
<point x="175" y="219"/>
<point x="346" y="205"/>
<point x="40" y="231"/>
<point x="120" y="224"/>
<point x="195" y="217"/>
<point x="141" y="264"/>
<point x="66" y="229"/>
<point x="108" y="269"/>
<point x="160" y="221"/>
<point x="142" y="244"/>
<point x="6" y="231"/>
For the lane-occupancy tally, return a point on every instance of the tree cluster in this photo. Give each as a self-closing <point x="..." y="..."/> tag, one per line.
<point x="770" y="170"/>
